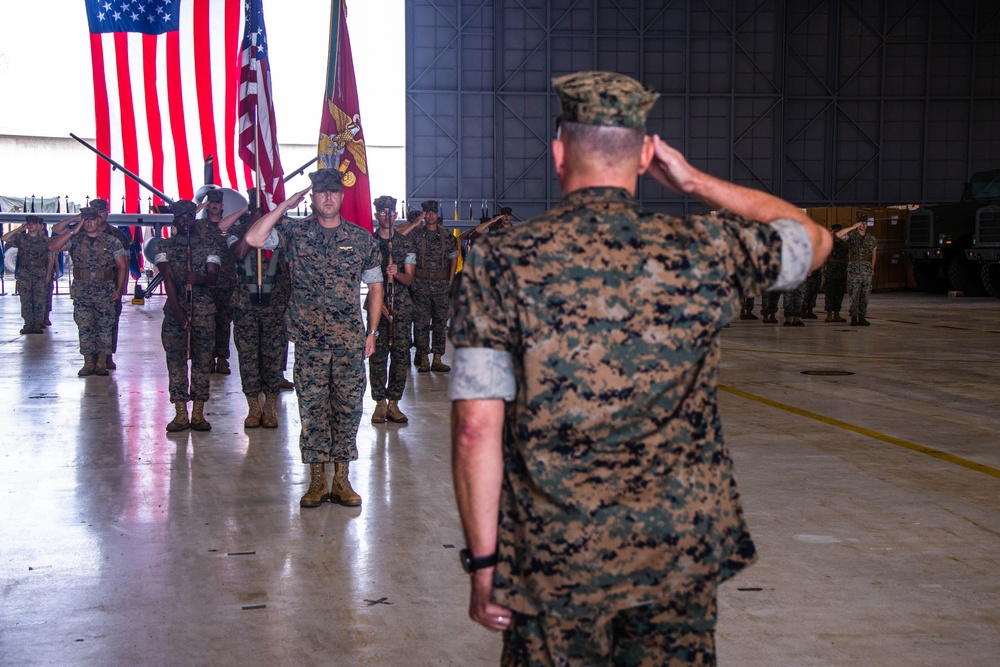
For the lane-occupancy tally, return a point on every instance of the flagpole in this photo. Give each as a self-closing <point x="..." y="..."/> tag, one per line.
<point x="260" y="252"/>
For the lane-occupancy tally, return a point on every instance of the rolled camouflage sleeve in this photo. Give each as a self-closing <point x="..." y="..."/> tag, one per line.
<point x="754" y="250"/>
<point x="118" y="250"/>
<point x="372" y="273"/>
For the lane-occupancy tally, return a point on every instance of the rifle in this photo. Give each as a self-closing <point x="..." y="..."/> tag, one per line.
<point x="189" y="292"/>
<point x="390" y="290"/>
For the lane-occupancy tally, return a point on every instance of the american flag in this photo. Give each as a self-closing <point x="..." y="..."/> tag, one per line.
<point x="166" y="76"/>
<point x="258" y="130"/>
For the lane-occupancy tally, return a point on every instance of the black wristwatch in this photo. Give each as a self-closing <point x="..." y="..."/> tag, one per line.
<point x="472" y="563"/>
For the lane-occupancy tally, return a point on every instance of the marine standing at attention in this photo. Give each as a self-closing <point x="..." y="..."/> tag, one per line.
<point x="189" y="264"/>
<point x="595" y="490"/>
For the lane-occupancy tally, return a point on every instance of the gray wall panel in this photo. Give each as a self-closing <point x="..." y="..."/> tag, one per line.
<point x="823" y="102"/>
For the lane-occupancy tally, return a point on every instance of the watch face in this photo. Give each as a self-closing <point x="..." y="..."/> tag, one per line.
<point x="465" y="556"/>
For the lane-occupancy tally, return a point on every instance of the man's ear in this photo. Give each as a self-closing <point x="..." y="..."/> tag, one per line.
<point x="646" y="157"/>
<point x="559" y="157"/>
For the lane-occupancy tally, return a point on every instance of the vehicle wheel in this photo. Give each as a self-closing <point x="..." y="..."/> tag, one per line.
<point x="991" y="279"/>
<point x="928" y="278"/>
<point x="966" y="277"/>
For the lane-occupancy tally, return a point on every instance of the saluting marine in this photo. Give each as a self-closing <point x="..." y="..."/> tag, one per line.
<point x="32" y="266"/>
<point x="330" y="258"/>
<point x="861" y="254"/>
<point x="100" y="271"/>
<point x="190" y="266"/>
<point x="126" y="241"/>
<point x="595" y="490"/>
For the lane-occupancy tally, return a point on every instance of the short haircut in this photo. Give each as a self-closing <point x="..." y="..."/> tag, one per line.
<point x="611" y="143"/>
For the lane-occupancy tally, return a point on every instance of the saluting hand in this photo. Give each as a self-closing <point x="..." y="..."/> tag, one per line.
<point x="670" y="169"/>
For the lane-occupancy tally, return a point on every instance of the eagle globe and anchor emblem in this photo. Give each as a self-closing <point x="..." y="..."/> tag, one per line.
<point x="333" y="148"/>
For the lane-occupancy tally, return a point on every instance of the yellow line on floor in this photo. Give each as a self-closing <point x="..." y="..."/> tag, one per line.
<point x="923" y="360"/>
<point x="898" y="442"/>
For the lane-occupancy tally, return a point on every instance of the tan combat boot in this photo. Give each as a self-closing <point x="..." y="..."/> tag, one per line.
<point x="378" y="417"/>
<point x="222" y="366"/>
<point x="423" y="363"/>
<point x="110" y="363"/>
<point x="198" y="421"/>
<point x="180" y="421"/>
<point x="89" y="366"/>
<point x="838" y="318"/>
<point x="394" y="414"/>
<point x="253" y="412"/>
<point x="439" y="366"/>
<point x="270" y="418"/>
<point x="340" y="489"/>
<point x="317" y="493"/>
<point x="100" y="365"/>
<point x="829" y="316"/>
<point x="285" y="385"/>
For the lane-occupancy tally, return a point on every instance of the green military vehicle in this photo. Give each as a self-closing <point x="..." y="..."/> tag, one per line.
<point x="938" y="236"/>
<point x="985" y="248"/>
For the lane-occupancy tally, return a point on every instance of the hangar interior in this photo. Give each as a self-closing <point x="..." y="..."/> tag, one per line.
<point x="867" y="458"/>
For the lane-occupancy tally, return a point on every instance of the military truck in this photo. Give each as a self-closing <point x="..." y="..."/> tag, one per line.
<point x="985" y="248"/>
<point x="938" y="237"/>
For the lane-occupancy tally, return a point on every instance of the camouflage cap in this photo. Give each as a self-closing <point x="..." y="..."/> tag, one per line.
<point x="28" y="219"/>
<point x="603" y="98"/>
<point x="100" y="205"/>
<point x="184" y="208"/>
<point x="429" y="205"/>
<point x="412" y="215"/>
<point x="326" y="180"/>
<point x="385" y="201"/>
<point x="252" y="197"/>
<point x="836" y="228"/>
<point x="506" y="210"/>
<point x="87" y="212"/>
<point x="214" y="196"/>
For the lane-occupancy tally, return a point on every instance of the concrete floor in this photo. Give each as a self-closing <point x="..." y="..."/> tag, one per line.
<point x="874" y="500"/>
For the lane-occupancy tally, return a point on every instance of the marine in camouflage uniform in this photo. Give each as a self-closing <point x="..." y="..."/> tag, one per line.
<point x="437" y="257"/>
<point x="32" y="268"/>
<point x="835" y="278"/>
<point x="861" y="252"/>
<point x="126" y="241"/>
<point x="259" y="321"/>
<point x="173" y="258"/>
<point x="222" y="290"/>
<point x="812" y="285"/>
<point x="387" y="384"/>
<point x="330" y="258"/>
<point x="100" y="270"/>
<point x="586" y="362"/>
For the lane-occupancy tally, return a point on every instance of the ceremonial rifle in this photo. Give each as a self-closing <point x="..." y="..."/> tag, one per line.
<point x="189" y="291"/>
<point x="391" y="289"/>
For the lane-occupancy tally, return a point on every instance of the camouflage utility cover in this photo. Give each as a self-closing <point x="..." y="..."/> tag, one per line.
<point x="324" y="310"/>
<point x="618" y="488"/>
<point x="604" y="98"/>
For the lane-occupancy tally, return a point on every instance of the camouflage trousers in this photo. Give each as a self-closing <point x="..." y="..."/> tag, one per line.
<point x="330" y="386"/>
<point x="811" y="290"/>
<point x="748" y="303"/>
<point x="859" y="286"/>
<point x="791" y="300"/>
<point x="95" y="320"/>
<point x="835" y="283"/>
<point x="174" y="340"/>
<point x="430" y="315"/>
<point x="34" y="299"/>
<point x="262" y="346"/>
<point x="398" y="357"/>
<point x="675" y="633"/>
<point x="114" y="330"/>
<point x="222" y="296"/>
